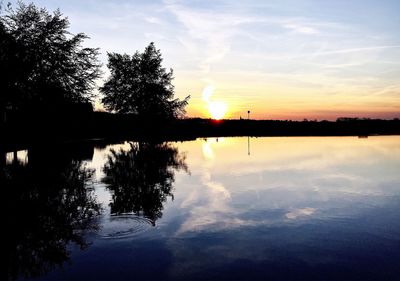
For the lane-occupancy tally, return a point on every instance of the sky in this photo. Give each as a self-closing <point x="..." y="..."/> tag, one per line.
<point x="286" y="59"/>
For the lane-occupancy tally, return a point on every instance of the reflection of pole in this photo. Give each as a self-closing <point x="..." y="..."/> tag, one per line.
<point x="248" y="137"/>
<point x="248" y="145"/>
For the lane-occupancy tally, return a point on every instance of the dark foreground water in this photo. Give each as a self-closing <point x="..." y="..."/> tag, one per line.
<point x="212" y="209"/>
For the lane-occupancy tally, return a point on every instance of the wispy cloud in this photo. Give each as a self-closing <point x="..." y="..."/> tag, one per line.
<point x="208" y="32"/>
<point x="304" y="212"/>
<point x="153" y="20"/>
<point x="355" y="50"/>
<point x="301" y="28"/>
<point x="212" y="38"/>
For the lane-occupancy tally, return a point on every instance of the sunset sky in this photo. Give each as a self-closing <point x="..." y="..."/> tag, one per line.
<point x="279" y="59"/>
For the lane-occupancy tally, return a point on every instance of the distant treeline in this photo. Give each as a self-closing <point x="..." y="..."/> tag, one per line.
<point x="341" y="127"/>
<point x="88" y="125"/>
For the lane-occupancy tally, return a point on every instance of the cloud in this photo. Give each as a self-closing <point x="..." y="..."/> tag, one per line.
<point x="211" y="203"/>
<point x="355" y="50"/>
<point x="209" y="33"/>
<point x="292" y="215"/>
<point x="153" y="20"/>
<point x="214" y="212"/>
<point x="301" y="28"/>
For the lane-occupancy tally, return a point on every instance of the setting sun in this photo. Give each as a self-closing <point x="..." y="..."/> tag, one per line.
<point x="217" y="109"/>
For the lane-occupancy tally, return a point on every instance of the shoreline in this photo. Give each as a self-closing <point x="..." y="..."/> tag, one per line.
<point x="105" y="127"/>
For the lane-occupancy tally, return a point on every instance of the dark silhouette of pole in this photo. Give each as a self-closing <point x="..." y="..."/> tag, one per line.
<point x="248" y="114"/>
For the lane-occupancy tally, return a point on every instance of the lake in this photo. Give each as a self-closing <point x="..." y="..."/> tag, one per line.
<point x="278" y="208"/>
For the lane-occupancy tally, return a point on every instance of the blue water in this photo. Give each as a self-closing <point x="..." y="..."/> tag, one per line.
<point x="298" y="208"/>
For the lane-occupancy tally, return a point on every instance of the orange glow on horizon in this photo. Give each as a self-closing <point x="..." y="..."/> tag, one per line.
<point x="275" y="100"/>
<point x="295" y="116"/>
<point x="290" y="109"/>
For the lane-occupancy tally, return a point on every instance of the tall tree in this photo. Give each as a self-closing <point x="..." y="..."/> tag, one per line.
<point x="140" y="85"/>
<point x="42" y="63"/>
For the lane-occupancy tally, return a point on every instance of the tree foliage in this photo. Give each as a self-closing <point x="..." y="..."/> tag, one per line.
<point x="140" y="85"/>
<point x="141" y="178"/>
<point x="49" y="206"/>
<point x="41" y="62"/>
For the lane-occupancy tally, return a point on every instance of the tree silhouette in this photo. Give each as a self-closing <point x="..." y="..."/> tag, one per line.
<point x="140" y="85"/>
<point x="42" y="64"/>
<point x="142" y="177"/>
<point x="47" y="206"/>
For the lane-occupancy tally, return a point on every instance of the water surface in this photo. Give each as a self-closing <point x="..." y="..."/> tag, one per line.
<point x="298" y="208"/>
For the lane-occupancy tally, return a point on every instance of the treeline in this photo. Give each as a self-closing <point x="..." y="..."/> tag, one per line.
<point x="356" y="127"/>
<point x="130" y="126"/>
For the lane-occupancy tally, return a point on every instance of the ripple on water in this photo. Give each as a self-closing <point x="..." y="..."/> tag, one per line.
<point x="124" y="226"/>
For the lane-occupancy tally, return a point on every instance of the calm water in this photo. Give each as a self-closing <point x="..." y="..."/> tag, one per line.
<point x="212" y="209"/>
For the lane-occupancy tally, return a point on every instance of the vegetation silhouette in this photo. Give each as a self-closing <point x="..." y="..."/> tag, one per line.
<point x="139" y="85"/>
<point x="48" y="207"/>
<point x="43" y="66"/>
<point x="141" y="178"/>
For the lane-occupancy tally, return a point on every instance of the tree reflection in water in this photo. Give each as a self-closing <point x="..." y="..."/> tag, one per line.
<point x="48" y="206"/>
<point x="142" y="178"/>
